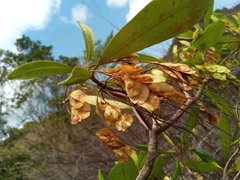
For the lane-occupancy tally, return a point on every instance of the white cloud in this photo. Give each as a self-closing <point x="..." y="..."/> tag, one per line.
<point x="117" y="3"/>
<point x="79" y="13"/>
<point x="17" y="17"/>
<point x="134" y="6"/>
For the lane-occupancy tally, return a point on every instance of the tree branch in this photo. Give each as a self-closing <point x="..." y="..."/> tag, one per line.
<point x="152" y="153"/>
<point x="158" y="128"/>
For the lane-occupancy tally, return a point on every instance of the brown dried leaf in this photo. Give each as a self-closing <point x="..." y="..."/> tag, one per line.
<point x="109" y="138"/>
<point x="123" y="154"/>
<point x="137" y="92"/>
<point x="121" y="151"/>
<point x="147" y="78"/>
<point x="78" y="114"/>
<point x="151" y="103"/>
<point x="77" y="98"/>
<point x="125" y="121"/>
<point x="177" y="71"/>
<point x="213" y="119"/>
<point x="160" y="88"/>
<point x="110" y="113"/>
<point x="124" y="69"/>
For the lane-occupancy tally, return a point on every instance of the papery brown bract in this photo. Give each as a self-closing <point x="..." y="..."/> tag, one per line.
<point x="121" y="151"/>
<point x="78" y="114"/>
<point x="77" y="98"/>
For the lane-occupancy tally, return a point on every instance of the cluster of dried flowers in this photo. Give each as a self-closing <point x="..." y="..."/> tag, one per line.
<point x="146" y="90"/>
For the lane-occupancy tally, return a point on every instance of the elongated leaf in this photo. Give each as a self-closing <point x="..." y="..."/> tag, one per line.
<point x="93" y="99"/>
<point x="186" y="35"/>
<point x="191" y="123"/>
<point x="207" y="16"/>
<point x="146" y="58"/>
<point x="38" y="69"/>
<point x="158" y="21"/>
<point x="157" y="171"/>
<point x="206" y="157"/>
<point x="210" y="36"/>
<point x="144" y="147"/>
<point x="176" y="172"/>
<point x="134" y="157"/>
<point x="100" y="176"/>
<point x="88" y="38"/>
<point x="123" y="171"/>
<point x="200" y="166"/>
<point x="78" y="75"/>
<point x="225" y="135"/>
<point x="220" y="102"/>
<point x="224" y="18"/>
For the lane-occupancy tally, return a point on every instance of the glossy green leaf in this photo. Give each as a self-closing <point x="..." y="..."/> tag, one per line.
<point x="200" y="166"/>
<point x="191" y="123"/>
<point x="210" y="36"/>
<point x="126" y="171"/>
<point x="38" y="69"/>
<point x="100" y="176"/>
<point x="158" y="21"/>
<point x="157" y="172"/>
<point x="176" y="172"/>
<point x="225" y="135"/>
<point x="206" y="157"/>
<point x="78" y="75"/>
<point x="88" y="39"/>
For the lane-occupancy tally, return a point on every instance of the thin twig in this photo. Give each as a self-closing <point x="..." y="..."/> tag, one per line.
<point x="226" y="166"/>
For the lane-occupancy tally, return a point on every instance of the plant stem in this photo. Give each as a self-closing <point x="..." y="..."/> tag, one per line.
<point x="152" y="153"/>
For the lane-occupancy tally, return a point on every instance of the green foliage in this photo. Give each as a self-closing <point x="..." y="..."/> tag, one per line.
<point x="88" y="39"/>
<point x="164" y="16"/>
<point x="78" y="75"/>
<point x="39" y="68"/>
<point x="123" y="171"/>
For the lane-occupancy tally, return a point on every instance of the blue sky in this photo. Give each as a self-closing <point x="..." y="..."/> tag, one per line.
<point x="53" y="22"/>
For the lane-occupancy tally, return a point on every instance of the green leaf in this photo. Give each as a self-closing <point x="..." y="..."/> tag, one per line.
<point x="200" y="166"/>
<point x="207" y="16"/>
<point x="144" y="147"/>
<point x="191" y="123"/>
<point x="143" y="58"/>
<point x="134" y="157"/>
<point x="186" y="35"/>
<point x="206" y="157"/>
<point x="222" y="17"/>
<point x="156" y="22"/>
<point x="220" y="103"/>
<point x="176" y="172"/>
<point x="38" y="69"/>
<point x="141" y="159"/>
<point x="78" y="75"/>
<point x="100" y="176"/>
<point x="225" y="135"/>
<point x="88" y="38"/>
<point x="127" y="171"/>
<point x="157" y="171"/>
<point x="229" y="39"/>
<point x="210" y="36"/>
